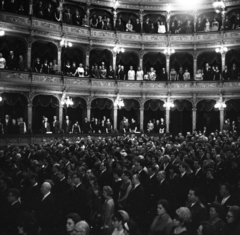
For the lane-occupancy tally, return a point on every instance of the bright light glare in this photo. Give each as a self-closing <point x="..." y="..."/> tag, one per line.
<point x="0" y="98"/>
<point x="169" y="8"/>
<point x="188" y="4"/>
<point x="2" y="33"/>
<point x="70" y="44"/>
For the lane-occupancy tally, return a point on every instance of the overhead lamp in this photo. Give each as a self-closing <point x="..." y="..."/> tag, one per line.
<point x="2" y="32"/>
<point x="67" y="101"/>
<point x="118" y="49"/>
<point x="188" y="4"/>
<point x="64" y="43"/>
<point x="169" y="51"/>
<point x="220" y="105"/>
<point x="169" y="104"/>
<point x="221" y="49"/>
<point x="219" y="6"/>
<point x="115" y="4"/>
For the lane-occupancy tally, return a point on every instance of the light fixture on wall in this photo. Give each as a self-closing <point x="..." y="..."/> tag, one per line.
<point x="2" y="32"/>
<point x="118" y="49"/>
<point x="220" y="104"/>
<point x="119" y="102"/>
<point x="221" y="49"/>
<point x="65" y="43"/>
<point x="169" y="104"/>
<point x="67" y="101"/>
<point x="219" y="6"/>
<point x="1" y="99"/>
<point x="168" y="51"/>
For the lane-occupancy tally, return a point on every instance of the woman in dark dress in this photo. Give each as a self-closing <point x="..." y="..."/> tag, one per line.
<point x="38" y="66"/>
<point x="68" y="69"/>
<point x="45" y="67"/>
<point x="76" y="128"/>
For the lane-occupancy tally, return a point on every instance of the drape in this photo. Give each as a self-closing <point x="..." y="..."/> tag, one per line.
<point x="78" y="101"/>
<point x="73" y="9"/>
<point x="126" y="16"/>
<point x="206" y="105"/>
<point x="154" y="18"/>
<point x="180" y="105"/>
<point x="73" y="54"/>
<point x="154" y="57"/>
<point x="13" y="44"/>
<point x="211" y="16"/>
<point x="44" y="49"/>
<point x="131" y="103"/>
<point x="233" y="104"/>
<point x="45" y="3"/>
<point x="13" y="99"/>
<point x="208" y="57"/>
<point x="181" y="58"/>
<point x="233" y="54"/>
<point x="102" y="103"/>
<point x="97" y="55"/>
<point x="154" y="105"/>
<point x="102" y="13"/>
<point x="45" y="100"/>
<point x="127" y="57"/>
<point x="182" y="17"/>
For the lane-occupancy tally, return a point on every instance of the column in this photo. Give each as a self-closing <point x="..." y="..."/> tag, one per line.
<point x="194" y="119"/>
<point x="114" y="17"/>
<point x="60" y="115"/>
<point x="141" y="18"/>
<point x="223" y="60"/>
<point x="29" y="125"/>
<point x="141" y="58"/>
<point x="168" y="65"/>
<point x="115" y="115"/>
<point x="167" y="119"/>
<point x="221" y="118"/>
<point x="114" y="60"/>
<point x="89" y="111"/>
<point x="194" y="65"/>
<point x="30" y="12"/>
<point x="141" y="118"/>
<point x="223" y="14"/>
<point x="87" y="58"/>
<point x="59" y="58"/>
<point x="29" y="57"/>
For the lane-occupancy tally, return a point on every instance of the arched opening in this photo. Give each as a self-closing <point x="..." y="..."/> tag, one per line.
<point x="18" y="46"/>
<point x="232" y="112"/>
<point x="129" y="111"/>
<point x="127" y="59"/>
<point x="184" y="60"/>
<point x="207" y="116"/>
<point x="154" y="18"/>
<point x="126" y="16"/>
<point x="211" y="57"/>
<point x="157" y="60"/>
<point x="211" y="16"/>
<point x="103" y="13"/>
<point x="98" y="56"/>
<point x="45" y="51"/>
<point x="14" y="105"/>
<point x="183" y="18"/>
<point x="233" y="57"/>
<point x="153" y="110"/>
<point x="181" y="117"/>
<point x="44" y="106"/>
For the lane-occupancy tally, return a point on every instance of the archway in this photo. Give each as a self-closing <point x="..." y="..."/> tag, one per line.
<point x="44" y="106"/>
<point x="233" y="57"/>
<point x="211" y="57"/>
<point x="157" y="60"/>
<point x="232" y="112"/>
<point x="207" y="116"/>
<point x="181" y="117"/>
<point x="97" y="56"/>
<point x="211" y="15"/>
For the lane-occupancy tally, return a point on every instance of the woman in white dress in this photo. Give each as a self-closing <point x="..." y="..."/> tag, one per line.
<point x="207" y="25"/>
<point x="215" y="25"/>
<point x="186" y="75"/>
<point x="79" y="71"/>
<point x="131" y="74"/>
<point x="199" y="75"/>
<point x="161" y="27"/>
<point x="139" y="74"/>
<point x="129" y="26"/>
<point x="150" y="126"/>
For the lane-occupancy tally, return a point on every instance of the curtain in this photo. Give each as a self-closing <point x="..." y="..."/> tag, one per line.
<point x="233" y="104"/>
<point x="211" y="16"/>
<point x="180" y="105"/>
<point x="209" y="57"/>
<point x="102" y="104"/>
<point x="127" y="57"/>
<point x="126" y="16"/>
<point x="102" y="13"/>
<point x="154" y="105"/>
<point x="154" y="57"/>
<point x="78" y="101"/>
<point x="14" y="44"/>
<point x="13" y="99"/>
<point x="131" y="103"/>
<point x="154" y="18"/>
<point x="45" y="100"/>
<point x="206" y="105"/>
<point x="182" y="17"/>
<point x="233" y="54"/>
<point x="40" y="49"/>
<point x="98" y="55"/>
<point x="73" y="9"/>
<point x="181" y="58"/>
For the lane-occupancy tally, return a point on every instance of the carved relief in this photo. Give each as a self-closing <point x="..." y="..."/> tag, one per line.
<point x="207" y="85"/>
<point x="231" y="84"/>
<point x="103" y="83"/>
<point x="154" y="85"/>
<point x="19" y="20"/>
<point x="181" y="85"/>
<point x="129" y="85"/>
<point x="37" y="78"/>
<point x="20" y="76"/>
<point x="77" y="82"/>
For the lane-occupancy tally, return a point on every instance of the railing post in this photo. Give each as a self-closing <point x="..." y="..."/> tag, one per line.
<point x="30" y="41"/>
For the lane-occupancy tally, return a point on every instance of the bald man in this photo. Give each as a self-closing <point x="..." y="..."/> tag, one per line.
<point x="46" y="213"/>
<point x="81" y="228"/>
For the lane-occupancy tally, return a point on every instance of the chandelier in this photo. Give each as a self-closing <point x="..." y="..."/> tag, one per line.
<point x="221" y="49"/>
<point x="65" y="43"/>
<point x="220" y="105"/>
<point x="119" y="102"/>
<point x="118" y="49"/>
<point x="219" y="6"/>
<point x="2" y="33"/>
<point x="169" y="51"/>
<point x="169" y="104"/>
<point x="67" y="101"/>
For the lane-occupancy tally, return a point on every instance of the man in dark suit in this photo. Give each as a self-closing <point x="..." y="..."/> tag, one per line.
<point x="226" y="73"/>
<point x="118" y="71"/>
<point x="67" y="126"/>
<point x="56" y="125"/>
<point x="164" y="75"/>
<point x="11" y="61"/>
<point x="121" y="74"/>
<point x="147" y="26"/>
<point x="162" y="190"/>
<point x="7" y="125"/>
<point x="143" y="176"/>
<point x="166" y="165"/>
<point x="86" y="127"/>
<point x="46" y="213"/>
<point x="105" y="177"/>
<point x="219" y="168"/>
<point x="207" y="73"/>
<point x="199" y="175"/>
<point x="45" y="126"/>
<point x="49" y="14"/>
<point x="135" y="201"/>
<point x="14" y="212"/>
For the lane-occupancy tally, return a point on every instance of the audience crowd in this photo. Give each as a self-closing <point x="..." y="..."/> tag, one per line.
<point x="130" y="184"/>
<point x="49" y="11"/>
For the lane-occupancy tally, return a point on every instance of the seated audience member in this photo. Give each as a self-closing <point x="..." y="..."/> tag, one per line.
<point x="68" y="69"/>
<point x="39" y="10"/>
<point x="179" y="28"/>
<point x="95" y="72"/>
<point x="173" y="75"/>
<point x="186" y="75"/>
<point x="199" y="75"/>
<point x="207" y="73"/>
<point x="131" y="73"/>
<point x="162" y="128"/>
<point x="111" y="73"/>
<point x="226" y="75"/>
<point x="161" y="27"/>
<point x="85" y="21"/>
<point x="103" y="71"/>
<point x="137" y="26"/>
<point x="150" y="126"/>
<point x="49" y="14"/>
<point x="121" y="74"/>
<point x="172" y="27"/>
<point x="147" y="26"/>
<point x="180" y="74"/>
<point x="234" y="73"/>
<point x="55" y="67"/>
<point x="73" y="69"/>
<point x="199" y="25"/>
<point x="164" y="75"/>
<point x="205" y="228"/>
<point x="108" y="125"/>
<point x="152" y="28"/>
<point x="76" y="128"/>
<point x="100" y="23"/>
<point x="108" y="25"/>
<point x="86" y="72"/>
<point x="79" y="71"/>
<point x="236" y="24"/>
<point x="68" y="16"/>
<point x="81" y="228"/>
<point x="77" y="19"/>
<point x="2" y="62"/>
<point x="21" y="64"/>
<point x="51" y="69"/>
<point x="152" y="75"/>
<point x="37" y="66"/>
<point x="120" y="25"/>
<point x="45" y="67"/>
<point x="22" y="129"/>
<point x="94" y="21"/>
<point x="216" y="74"/>
<point x="139" y="74"/>
<point x="133" y="126"/>
<point x="233" y="221"/>
<point x="207" y="26"/>
<point x="227" y="24"/>
<point x="129" y="26"/>
<point x="215" y="25"/>
<point x="188" y="28"/>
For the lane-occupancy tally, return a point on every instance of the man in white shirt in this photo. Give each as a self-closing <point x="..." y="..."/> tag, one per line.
<point x="131" y="74"/>
<point x="2" y="62"/>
